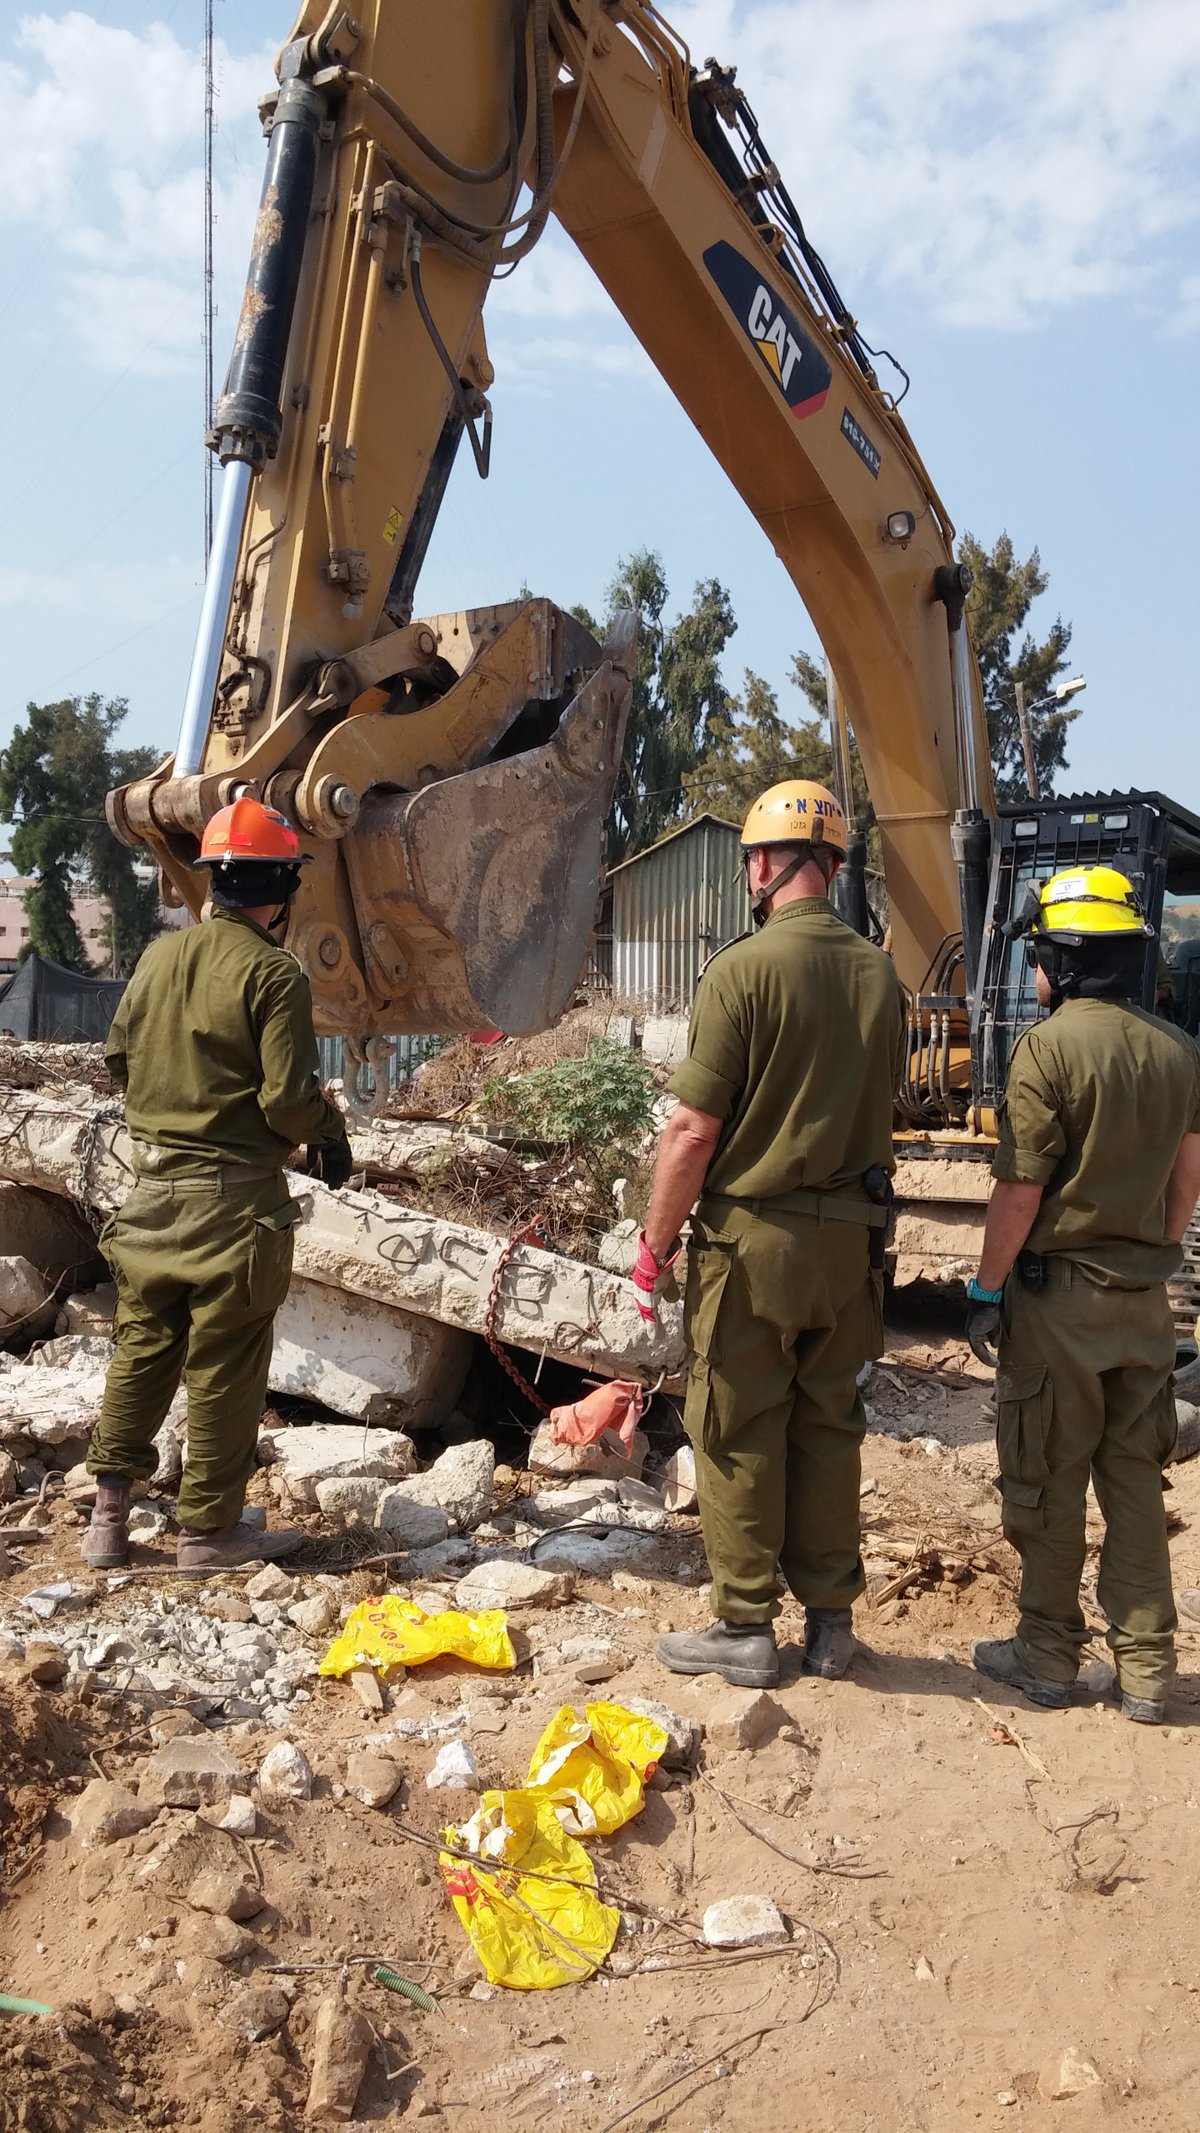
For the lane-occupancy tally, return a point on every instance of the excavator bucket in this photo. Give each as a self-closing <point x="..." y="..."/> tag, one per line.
<point x="476" y="896"/>
<point x="454" y="820"/>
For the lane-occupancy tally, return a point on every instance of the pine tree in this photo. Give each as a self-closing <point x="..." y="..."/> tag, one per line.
<point x="54" y="775"/>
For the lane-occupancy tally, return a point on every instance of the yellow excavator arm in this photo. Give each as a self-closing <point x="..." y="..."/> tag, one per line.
<point x="450" y="775"/>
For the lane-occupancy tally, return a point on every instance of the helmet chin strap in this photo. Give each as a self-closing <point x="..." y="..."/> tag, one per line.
<point x="760" y="898"/>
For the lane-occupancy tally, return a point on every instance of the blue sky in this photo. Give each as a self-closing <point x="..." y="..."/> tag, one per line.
<point x="1007" y="191"/>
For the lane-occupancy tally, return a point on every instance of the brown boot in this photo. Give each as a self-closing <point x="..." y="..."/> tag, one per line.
<point x="106" y="1542"/>
<point x="202" y="1555"/>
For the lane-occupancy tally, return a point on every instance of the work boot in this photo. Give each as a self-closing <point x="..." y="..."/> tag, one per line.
<point x="202" y="1555"/>
<point x="743" y="1653"/>
<point x="1003" y="1662"/>
<point x="106" y="1542"/>
<point x="829" y="1642"/>
<point x="1144" y="1710"/>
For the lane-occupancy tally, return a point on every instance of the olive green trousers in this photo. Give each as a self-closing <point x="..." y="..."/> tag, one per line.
<point x="781" y="1312"/>
<point x="1084" y="1389"/>
<point x="202" y="1264"/>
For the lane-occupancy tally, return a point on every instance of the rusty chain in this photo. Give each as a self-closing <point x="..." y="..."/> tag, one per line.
<point x="535" y="1232"/>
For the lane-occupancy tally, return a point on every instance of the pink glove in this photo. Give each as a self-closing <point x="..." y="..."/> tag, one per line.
<point x="617" y="1406"/>
<point x="650" y="1276"/>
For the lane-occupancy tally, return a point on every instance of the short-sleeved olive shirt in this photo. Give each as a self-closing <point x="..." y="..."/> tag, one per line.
<point x="796" y="1042"/>
<point x="1099" y="1098"/>
<point x="213" y="1042"/>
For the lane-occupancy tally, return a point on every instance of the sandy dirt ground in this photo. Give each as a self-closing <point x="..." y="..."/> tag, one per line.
<point x="975" y="1887"/>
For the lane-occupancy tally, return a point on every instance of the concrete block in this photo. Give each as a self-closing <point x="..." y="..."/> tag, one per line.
<point x="304" y="1455"/>
<point x="348" y="1497"/>
<point x="744" y="1922"/>
<point x="89" y="1311"/>
<point x="25" y="1305"/>
<point x="570" y="1460"/>
<point x="679" y="1480"/>
<point x="411" y="1523"/>
<point x="459" y="1483"/>
<point x="502" y="1583"/>
<point x="365" y="1359"/>
<point x="741" y="1718"/>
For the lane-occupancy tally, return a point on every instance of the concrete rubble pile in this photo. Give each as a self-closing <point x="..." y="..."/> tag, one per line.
<point x="386" y="1302"/>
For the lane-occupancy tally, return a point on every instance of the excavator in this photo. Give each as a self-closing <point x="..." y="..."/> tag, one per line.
<point x="449" y="775"/>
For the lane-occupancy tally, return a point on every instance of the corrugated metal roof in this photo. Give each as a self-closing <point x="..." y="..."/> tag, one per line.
<point x="685" y="830"/>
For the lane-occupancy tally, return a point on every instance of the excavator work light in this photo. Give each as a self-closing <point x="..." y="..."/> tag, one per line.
<point x="901" y="526"/>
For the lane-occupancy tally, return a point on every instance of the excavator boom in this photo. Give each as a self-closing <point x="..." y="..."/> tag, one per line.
<point x="450" y="776"/>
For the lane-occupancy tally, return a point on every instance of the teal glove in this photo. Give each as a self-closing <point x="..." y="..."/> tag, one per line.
<point x="983" y="1321"/>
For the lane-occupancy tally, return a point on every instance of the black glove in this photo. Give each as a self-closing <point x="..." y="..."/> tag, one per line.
<point x="332" y="1162"/>
<point x="983" y="1322"/>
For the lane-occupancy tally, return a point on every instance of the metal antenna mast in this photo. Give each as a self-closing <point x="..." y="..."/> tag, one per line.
<point x="209" y="131"/>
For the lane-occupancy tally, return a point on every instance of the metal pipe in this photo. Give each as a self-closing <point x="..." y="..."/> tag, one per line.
<point x="236" y="477"/>
<point x="1031" y="776"/>
<point x="960" y="673"/>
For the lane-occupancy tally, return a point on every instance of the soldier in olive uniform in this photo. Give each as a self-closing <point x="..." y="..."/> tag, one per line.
<point x="1097" y="1174"/>
<point x="213" y="1042"/>
<point x="784" y="1131"/>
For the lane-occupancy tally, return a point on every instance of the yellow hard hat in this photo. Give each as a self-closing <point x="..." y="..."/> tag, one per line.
<point x="1091" y="901"/>
<point x="796" y="812"/>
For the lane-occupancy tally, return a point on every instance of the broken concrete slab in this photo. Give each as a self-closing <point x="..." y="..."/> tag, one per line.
<point x="46" y="1404"/>
<point x="363" y="1359"/>
<point x="378" y="1249"/>
<point x="301" y="1457"/>
<point x="360" y="1359"/>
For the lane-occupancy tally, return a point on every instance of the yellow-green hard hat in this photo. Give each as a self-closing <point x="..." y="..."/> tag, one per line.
<point x="1092" y="902"/>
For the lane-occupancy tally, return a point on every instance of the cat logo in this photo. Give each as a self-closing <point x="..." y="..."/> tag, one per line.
<point x="793" y="359"/>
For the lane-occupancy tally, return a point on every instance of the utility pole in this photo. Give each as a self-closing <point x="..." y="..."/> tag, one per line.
<point x="210" y="123"/>
<point x="1031" y="776"/>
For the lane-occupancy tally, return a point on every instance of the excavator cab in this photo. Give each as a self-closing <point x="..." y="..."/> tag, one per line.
<point x="1149" y="838"/>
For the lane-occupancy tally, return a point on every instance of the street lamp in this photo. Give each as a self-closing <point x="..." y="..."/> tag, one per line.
<point x="1059" y="695"/>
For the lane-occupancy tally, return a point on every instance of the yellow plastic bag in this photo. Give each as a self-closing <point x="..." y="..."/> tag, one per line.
<point x="393" y="1632"/>
<point x="594" y="1769"/>
<point x="528" y="1934"/>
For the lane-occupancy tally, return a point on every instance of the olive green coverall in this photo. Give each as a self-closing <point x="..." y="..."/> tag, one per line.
<point x="214" y="1044"/>
<point x="1099" y="1098"/>
<point x="795" y="1042"/>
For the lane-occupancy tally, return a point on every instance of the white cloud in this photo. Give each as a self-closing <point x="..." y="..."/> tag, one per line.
<point x="100" y="162"/>
<point x="997" y="160"/>
<point x="994" y="162"/>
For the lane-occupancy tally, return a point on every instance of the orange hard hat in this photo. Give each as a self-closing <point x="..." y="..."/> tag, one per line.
<point x="250" y="831"/>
